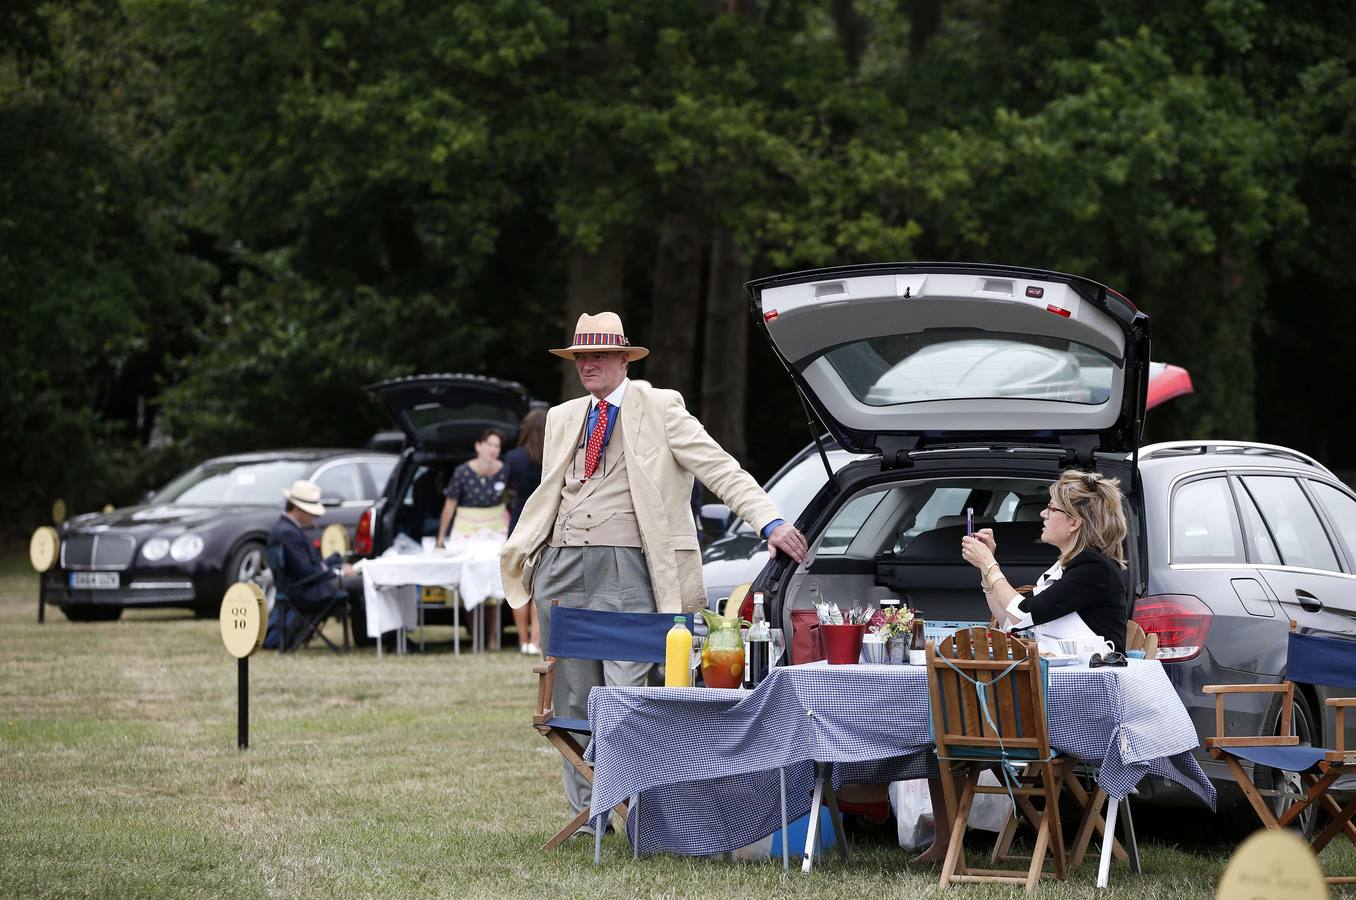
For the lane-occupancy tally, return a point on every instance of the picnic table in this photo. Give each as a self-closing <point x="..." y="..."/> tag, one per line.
<point x="707" y="764"/>
<point x="391" y="584"/>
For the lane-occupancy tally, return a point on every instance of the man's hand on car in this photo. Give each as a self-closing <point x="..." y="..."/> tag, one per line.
<point x="788" y="540"/>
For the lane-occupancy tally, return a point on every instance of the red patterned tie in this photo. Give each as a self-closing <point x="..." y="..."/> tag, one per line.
<point x="593" y="451"/>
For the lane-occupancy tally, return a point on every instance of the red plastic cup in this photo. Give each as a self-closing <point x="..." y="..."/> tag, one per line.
<point x="842" y="643"/>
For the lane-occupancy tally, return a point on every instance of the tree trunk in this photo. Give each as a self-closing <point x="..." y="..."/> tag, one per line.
<point x="595" y="285"/>
<point x="725" y="372"/>
<point x="852" y="31"/>
<point x="925" y="18"/>
<point x="676" y="314"/>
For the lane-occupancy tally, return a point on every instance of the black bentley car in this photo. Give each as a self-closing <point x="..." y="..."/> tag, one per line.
<point x="202" y="532"/>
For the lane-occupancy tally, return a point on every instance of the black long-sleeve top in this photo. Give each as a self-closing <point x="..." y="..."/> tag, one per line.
<point x="1093" y="586"/>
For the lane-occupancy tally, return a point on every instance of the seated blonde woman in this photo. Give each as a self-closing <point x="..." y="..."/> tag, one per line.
<point x="1083" y="594"/>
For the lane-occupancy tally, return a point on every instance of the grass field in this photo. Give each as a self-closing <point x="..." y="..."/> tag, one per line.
<point x="404" y="776"/>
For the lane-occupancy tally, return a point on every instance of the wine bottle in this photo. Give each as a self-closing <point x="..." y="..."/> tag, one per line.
<point x="760" y="642"/>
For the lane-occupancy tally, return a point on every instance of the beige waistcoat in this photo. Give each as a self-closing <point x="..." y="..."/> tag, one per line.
<point x="598" y="512"/>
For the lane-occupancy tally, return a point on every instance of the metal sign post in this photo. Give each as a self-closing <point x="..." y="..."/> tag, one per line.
<point x="43" y="550"/>
<point x="243" y="623"/>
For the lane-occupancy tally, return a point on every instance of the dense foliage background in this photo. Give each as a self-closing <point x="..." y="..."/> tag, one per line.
<point x="219" y="219"/>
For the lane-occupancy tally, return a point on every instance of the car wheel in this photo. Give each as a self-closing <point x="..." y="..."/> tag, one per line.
<point x="246" y="563"/>
<point x="90" y="613"/>
<point x="1302" y="725"/>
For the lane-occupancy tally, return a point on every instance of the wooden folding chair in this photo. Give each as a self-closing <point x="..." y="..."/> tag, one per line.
<point x="1312" y="660"/>
<point x="1137" y="639"/>
<point x="599" y="635"/>
<point x="987" y="691"/>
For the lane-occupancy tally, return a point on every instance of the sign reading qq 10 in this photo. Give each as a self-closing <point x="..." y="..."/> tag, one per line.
<point x="243" y="618"/>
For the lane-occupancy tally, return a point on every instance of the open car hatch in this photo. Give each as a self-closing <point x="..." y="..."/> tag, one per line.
<point x="905" y="356"/>
<point x="450" y="411"/>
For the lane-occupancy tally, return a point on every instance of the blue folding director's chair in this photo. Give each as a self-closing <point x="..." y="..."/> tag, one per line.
<point x="307" y="620"/>
<point x="595" y="635"/>
<point x="1311" y="660"/>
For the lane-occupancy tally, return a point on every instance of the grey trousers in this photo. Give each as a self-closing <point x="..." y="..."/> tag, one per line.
<point x="608" y="578"/>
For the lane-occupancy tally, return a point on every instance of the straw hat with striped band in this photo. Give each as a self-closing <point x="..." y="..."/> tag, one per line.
<point x="602" y="332"/>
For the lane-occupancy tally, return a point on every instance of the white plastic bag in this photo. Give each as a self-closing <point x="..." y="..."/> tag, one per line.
<point x="990" y="811"/>
<point x="912" y="803"/>
<point x="913" y="812"/>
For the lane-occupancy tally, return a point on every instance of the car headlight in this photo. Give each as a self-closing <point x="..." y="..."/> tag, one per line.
<point x="155" y="549"/>
<point x="186" y="547"/>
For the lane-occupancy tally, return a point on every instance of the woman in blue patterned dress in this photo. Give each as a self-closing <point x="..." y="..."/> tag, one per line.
<point x="475" y="493"/>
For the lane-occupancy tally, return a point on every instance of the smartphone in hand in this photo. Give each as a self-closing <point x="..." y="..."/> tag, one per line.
<point x="969" y="521"/>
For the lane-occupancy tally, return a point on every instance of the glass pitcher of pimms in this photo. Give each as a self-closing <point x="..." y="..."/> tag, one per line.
<point x="722" y="652"/>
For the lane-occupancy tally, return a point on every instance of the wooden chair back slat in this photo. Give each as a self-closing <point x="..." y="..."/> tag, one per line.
<point x="1016" y="708"/>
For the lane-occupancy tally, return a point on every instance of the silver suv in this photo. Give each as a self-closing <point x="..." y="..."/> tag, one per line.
<point x="974" y="386"/>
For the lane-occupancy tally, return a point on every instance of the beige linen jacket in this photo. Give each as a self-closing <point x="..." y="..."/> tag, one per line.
<point x="665" y="448"/>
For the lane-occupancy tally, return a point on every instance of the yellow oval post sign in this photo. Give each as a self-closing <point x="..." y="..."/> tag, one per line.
<point x="43" y="548"/>
<point x="334" y="539"/>
<point x="58" y="510"/>
<point x="243" y="618"/>
<point x="1273" y="865"/>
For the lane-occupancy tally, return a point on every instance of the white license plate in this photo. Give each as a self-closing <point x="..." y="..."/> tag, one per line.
<point x="95" y="580"/>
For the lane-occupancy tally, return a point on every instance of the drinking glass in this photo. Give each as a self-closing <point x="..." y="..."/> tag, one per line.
<point x="778" y="646"/>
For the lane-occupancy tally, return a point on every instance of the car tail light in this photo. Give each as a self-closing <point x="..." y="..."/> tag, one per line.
<point x="362" y="538"/>
<point x="746" y="608"/>
<point x="1181" y="622"/>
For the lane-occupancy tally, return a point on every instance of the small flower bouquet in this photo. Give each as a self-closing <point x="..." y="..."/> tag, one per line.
<point x="892" y="622"/>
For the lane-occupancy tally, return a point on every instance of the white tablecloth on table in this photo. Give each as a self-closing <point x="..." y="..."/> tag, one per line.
<point x="391" y="583"/>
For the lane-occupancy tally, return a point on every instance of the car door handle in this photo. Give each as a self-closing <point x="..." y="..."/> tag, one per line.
<point x="1307" y="601"/>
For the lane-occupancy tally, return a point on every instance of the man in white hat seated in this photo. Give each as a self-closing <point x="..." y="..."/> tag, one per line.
<point x="611" y="526"/>
<point x="310" y="581"/>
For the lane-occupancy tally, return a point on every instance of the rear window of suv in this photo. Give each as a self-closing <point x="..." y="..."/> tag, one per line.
<point x="965" y="364"/>
<point x="1204" y="526"/>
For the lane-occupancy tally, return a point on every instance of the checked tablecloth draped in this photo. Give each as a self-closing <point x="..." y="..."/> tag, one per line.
<point x="706" y="761"/>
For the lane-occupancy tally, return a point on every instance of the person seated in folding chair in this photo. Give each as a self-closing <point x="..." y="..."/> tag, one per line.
<point x="611" y="526"/>
<point x="310" y="583"/>
<point x="1083" y="595"/>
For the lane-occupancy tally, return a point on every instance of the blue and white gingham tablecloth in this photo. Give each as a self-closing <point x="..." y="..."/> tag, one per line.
<point x="705" y="762"/>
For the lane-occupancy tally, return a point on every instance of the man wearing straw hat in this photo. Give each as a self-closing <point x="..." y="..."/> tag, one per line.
<point x="311" y="580"/>
<point x="611" y="525"/>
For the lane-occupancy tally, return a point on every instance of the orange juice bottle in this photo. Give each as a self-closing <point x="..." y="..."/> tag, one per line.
<point x="678" y="655"/>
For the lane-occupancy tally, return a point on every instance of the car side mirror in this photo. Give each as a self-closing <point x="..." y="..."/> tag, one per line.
<point x="715" y="518"/>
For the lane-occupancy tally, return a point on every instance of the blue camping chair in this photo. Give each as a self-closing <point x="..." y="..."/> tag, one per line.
<point x="302" y="622"/>
<point x="987" y="691"/>
<point x="1312" y="660"/>
<point x="597" y="635"/>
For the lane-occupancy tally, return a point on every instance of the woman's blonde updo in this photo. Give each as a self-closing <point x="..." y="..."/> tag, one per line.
<point x="1096" y="502"/>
